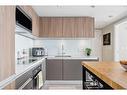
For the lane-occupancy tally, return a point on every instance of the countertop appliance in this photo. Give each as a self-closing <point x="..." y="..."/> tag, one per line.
<point x="38" y="52"/>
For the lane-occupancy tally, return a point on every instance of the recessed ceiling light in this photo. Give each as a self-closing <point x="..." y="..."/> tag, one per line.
<point x="92" y="6"/>
<point x="59" y="6"/>
<point x="110" y="16"/>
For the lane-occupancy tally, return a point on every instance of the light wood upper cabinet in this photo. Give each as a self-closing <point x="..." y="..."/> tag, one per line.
<point x="45" y="26"/>
<point x="35" y="19"/>
<point x="84" y="27"/>
<point x="56" y="27"/>
<point x="89" y="27"/>
<point x="51" y="27"/>
<point x="80" y="27"/>
<point x="67" y="27"/>
<point x="35" y="24"/>
<point x="7" y="41"/>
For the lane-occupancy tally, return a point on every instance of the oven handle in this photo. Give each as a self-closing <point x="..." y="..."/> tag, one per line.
<point x="28" y="81"/>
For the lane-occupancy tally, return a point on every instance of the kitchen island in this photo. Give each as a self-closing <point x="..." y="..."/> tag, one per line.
<point x="110" y="74"/>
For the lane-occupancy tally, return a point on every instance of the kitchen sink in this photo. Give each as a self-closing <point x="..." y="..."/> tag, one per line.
<point x="62" y="56"/>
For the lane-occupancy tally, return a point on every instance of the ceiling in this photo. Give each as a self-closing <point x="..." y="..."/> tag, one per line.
<point x="104" y="15"/>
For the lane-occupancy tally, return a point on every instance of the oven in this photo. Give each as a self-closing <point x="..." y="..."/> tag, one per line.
<point x="37" y="77"/>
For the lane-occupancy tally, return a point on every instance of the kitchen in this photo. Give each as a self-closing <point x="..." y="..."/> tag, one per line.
<point x="45" y="47"/>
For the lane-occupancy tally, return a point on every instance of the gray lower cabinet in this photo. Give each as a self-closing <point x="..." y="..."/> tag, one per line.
<point x="54" y="69"/>
<point x="64" y="69"/>
<point x="72" y="70"/>
<point x="58" y="69"/>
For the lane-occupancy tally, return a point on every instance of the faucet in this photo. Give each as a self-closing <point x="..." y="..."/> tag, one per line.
<point x="63" y="50"/>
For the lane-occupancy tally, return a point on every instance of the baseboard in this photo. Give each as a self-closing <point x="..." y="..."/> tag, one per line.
<point x="63" y="82"/>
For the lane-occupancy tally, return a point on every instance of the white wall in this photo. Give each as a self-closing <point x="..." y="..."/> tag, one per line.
<point x="107" y="50"/>
<point x="21" y="43"/>
<point x="73" y="47"/>
<point x="120" y="43"/>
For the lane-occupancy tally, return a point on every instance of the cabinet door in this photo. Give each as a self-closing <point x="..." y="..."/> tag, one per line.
<point x="89" y="27"/>
<point x="35" y="24"/>
<point x="80" y="23"/>
<point x="51" y="27"/>
<point x="84" y="27"/>
<point x="72" y="70"/>
<point x="45" y="24"/>
<point x="68" y="27"/>
<point x="54" y="69"/>
<point x="56" y="27"/>
<point x="7" y="41"/>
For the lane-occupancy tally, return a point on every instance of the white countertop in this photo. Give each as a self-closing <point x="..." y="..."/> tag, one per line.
<point x="75" y="57"/>
<point x="20" y="69"/>
<point x="23" y="68"/>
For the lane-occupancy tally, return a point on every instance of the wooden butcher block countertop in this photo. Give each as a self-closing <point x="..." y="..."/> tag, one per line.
<point x="110" y="72"/>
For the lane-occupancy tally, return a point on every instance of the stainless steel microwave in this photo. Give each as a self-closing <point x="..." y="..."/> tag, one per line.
<point x="23" y="20"/>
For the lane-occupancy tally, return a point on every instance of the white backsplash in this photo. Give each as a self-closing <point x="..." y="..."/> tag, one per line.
<point x="73" y="47"/>
<point x="22" y="43"/>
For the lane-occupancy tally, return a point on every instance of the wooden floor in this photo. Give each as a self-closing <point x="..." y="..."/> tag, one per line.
<point x="62" y="86"/>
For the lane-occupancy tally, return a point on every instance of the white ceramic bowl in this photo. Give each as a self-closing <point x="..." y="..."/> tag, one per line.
<point x="124" y="66"/>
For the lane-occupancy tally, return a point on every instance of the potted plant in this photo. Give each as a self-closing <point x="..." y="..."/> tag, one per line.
<point x="88" y="51"/>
